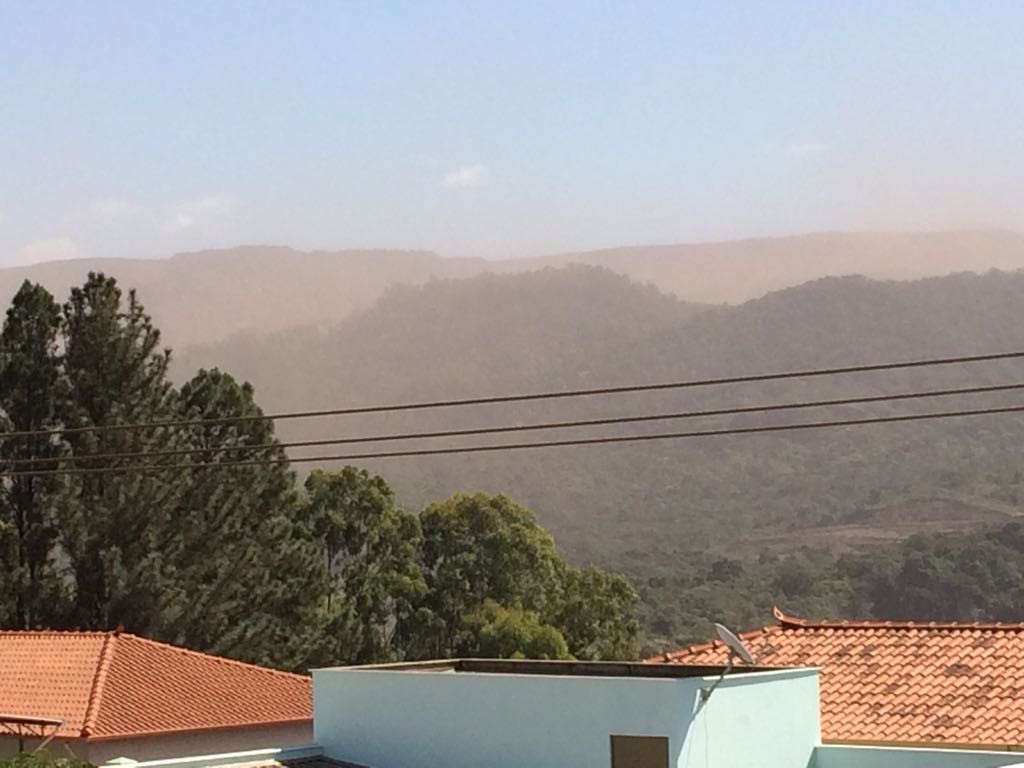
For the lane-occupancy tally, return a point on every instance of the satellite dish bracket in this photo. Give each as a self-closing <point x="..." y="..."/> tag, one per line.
<point x="705" y="693"/>
<point x="737" y="650"/>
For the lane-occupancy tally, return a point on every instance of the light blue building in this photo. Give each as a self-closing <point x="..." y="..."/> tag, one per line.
<point x="511" y="714"/>
<point x="475" y="713"/>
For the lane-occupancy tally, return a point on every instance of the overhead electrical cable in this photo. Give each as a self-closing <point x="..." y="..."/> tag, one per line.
<point x="497" y="399"/>
<point x="512" y="428"/>
<point x="126" y="468"/>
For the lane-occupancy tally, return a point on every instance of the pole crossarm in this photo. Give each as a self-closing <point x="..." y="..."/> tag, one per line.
<point x="25" y="727"/>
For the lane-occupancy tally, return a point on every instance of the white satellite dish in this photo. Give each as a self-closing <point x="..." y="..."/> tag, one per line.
<point x="737" y="650"/>
<point x="734" y="644"/>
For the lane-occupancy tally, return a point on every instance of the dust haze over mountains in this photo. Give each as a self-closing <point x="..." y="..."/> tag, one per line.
<point x="207" y="296"/>
<point x="630" y="504"/>
<point x="321" y="330"/>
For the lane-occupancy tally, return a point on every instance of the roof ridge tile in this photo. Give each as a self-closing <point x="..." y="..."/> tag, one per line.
<point x="790" y="621"/>
<point x="98" y="684"/>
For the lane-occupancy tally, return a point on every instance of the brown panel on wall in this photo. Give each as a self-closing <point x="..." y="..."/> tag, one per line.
<point x="639" y="752"/>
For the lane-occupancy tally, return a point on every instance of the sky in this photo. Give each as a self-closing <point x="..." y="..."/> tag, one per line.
<point x="500" y="129"/>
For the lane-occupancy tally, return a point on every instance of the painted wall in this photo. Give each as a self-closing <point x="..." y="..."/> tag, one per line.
<point x="177" y="744"/>
<point x="836" y="756"/>
<point x="755" y="720"/>
<point x="202" y="742"/>
<point x="397" y="719"/>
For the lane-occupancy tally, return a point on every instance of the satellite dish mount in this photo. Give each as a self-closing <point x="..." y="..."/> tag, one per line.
<point x="737" y="650"/>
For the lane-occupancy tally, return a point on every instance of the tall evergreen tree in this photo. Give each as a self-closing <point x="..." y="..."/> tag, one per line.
<point x="30" y="395"/>
<point x="249" y="581"/>
<point x="114" y="526"/>
<point x="10" y="554"/>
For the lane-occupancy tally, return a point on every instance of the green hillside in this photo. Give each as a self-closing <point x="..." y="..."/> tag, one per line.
<point x="644" y="506"/>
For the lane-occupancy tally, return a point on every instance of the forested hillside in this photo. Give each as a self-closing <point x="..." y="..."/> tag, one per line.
<point x="455" y="338"/>
<point x="641" y="506"/>
<point x="966" y="576"/>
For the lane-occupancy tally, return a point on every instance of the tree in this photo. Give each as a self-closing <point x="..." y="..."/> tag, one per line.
<point x="224" y="554"/>
<point x="8" y="571"/>
<point x="371" y="550"/>
<point x="484" y="551"/>
<point x="496" y="632"/>
<point x="479" y="548"/>
<point x="595" y="611"/>
<point x="30" y="395"/>
<point x="248" y="580"/>
<point x="114" y="524"/>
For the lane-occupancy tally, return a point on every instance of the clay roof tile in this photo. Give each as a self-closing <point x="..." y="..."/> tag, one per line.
<point x="900" y="681"/>
<point x="114" y="685"/>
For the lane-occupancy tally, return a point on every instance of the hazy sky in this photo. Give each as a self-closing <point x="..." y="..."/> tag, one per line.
<point x="145" y="128"/>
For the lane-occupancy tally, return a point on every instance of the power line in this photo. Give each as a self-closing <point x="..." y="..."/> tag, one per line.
<point x="525" y="446"/>
<point x="413" y="406"/>
<point x="467" y="432"/>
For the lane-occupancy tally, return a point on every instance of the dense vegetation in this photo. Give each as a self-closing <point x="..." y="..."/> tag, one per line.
<point x="667" y="510"/>
<point x="641" y="507"/>
<point x="974" y="576"/>
<point x="234" y="557"/>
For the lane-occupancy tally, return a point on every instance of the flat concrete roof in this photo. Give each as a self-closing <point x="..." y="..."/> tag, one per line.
<point x="560" y="668"/>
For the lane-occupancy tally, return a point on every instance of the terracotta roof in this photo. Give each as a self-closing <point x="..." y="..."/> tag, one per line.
<point x="115" y="685"/>
<point x="891" y="682"/>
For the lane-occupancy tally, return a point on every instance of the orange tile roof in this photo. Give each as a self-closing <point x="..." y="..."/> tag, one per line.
<point x="115" y="685"/>
<point x="948" y="683"/>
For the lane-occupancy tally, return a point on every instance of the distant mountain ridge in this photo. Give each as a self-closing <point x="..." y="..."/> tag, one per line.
<point x="212" y="295"/>
<point x="740" y="270"/>
<point x="208" y="296"/>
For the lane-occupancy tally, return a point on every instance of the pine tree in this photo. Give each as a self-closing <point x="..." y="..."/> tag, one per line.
<point x="30" y="394"/>
<point x="249" y="580"/>
<point x="115" y="526"/>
